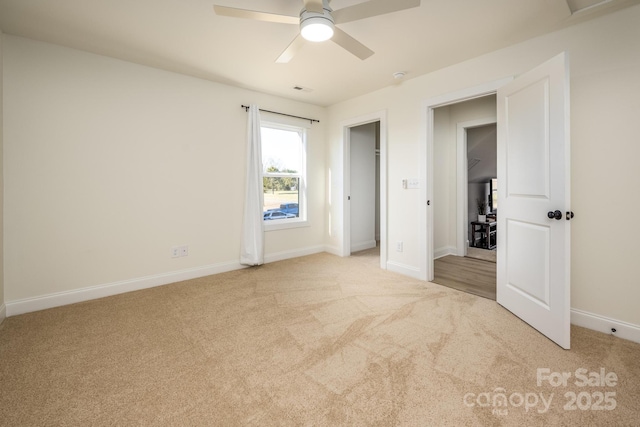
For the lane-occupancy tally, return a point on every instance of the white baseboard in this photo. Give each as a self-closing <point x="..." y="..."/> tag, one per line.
<point x="3" y="312"/>
<point x="363" y="246"/>
<point x="407" y="270"/>
<point x="627" y="331"/>
<point x="58" y="299"/>
<point x="333" y="250"/>
<point x="447" y="250"/>
<point x="582" y="318"/>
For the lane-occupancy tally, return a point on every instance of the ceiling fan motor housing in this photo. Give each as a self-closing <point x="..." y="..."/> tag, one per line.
<point x="316" y="27"/>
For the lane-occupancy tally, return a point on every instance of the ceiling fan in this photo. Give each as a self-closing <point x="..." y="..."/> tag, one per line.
<point x="318" y="22"/>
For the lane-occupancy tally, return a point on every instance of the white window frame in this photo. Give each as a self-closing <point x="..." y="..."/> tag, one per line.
<point x="302" y="220"/>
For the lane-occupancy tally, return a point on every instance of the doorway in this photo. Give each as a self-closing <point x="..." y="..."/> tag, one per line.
<point x="533" y="263"/>
<point x="465" y="157"/>
<point x="372" y="129"/>
<point x="364" y="158"/>
<point x="427" y="166"/>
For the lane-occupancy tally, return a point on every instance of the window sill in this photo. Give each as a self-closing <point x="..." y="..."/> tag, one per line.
<point x="284" y="224"/>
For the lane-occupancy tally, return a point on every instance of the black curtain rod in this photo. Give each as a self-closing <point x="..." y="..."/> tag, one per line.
<point x="246" y="108"/>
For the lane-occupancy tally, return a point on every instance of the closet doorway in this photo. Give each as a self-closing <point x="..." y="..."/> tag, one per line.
<point x="364" y="177"/>
<point x="364" y="206"/>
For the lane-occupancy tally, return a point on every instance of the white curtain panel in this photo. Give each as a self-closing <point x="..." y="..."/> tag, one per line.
<point x="252" y="247"/>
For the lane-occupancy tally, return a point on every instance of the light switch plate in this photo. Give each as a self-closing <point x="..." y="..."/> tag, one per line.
<point x="413" y="183"/>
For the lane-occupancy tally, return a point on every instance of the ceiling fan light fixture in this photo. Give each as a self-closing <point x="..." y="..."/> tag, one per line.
<point x="317" y="27"/>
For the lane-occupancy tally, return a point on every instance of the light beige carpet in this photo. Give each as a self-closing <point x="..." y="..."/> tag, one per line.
<point x="319" y="340"/>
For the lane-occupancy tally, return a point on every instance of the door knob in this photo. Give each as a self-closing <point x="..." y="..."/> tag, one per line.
<point x="555" y="215"/>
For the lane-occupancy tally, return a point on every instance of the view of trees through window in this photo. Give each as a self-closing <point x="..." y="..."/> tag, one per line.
<point x="282" y="160"/>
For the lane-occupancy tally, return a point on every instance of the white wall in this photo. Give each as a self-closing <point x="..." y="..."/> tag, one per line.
<point x="605" y="89"/>
<point x="444" y="173"/>
<point x="2" y="304"/>
<point x="362" y="142"/>
<point x="109" y="164"/>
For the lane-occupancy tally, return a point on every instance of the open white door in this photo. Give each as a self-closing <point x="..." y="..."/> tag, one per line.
<point x="533" y="276"/>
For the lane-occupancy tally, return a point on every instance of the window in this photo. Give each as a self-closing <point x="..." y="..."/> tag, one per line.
<point x="493" y="198"/>
<point x="284" y="180"/>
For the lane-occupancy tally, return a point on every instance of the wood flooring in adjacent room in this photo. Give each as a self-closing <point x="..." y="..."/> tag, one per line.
<point x="466" y="274"/>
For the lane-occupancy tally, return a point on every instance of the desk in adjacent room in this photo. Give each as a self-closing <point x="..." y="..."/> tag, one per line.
<point x="487" y="234"/>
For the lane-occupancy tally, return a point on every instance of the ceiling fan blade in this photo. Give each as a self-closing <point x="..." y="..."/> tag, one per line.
<point x="371" y="8"/>
<point x="253" y="14"/>
<point x="313" y="5"/>
<point x="291" y="50"/>
<point x="352" y="45"/>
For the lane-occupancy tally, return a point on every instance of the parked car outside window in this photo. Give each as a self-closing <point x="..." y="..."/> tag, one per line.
<point x="269" y="215"/>
<point x="290" y="208"/>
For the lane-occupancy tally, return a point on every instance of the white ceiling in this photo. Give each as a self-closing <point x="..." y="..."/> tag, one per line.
<point x="186" y="36"/>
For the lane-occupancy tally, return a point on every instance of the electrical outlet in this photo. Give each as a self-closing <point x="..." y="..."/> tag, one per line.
<point x="399" y="246"/>
<point x="179" y="251"/>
